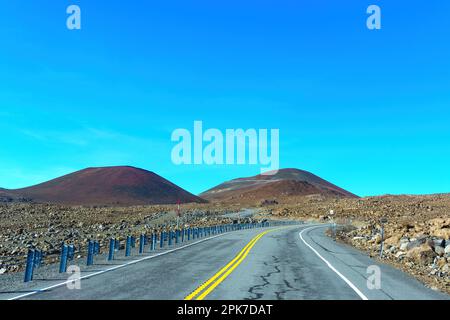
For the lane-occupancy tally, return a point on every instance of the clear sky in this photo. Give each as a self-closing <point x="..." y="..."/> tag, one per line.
<point x="366" y="110"/>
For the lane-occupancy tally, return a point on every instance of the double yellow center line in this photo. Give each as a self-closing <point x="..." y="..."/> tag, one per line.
<point x="201" y="292"/>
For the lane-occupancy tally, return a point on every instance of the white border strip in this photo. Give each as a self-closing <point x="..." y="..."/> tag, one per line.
<point x="350" y="284"/>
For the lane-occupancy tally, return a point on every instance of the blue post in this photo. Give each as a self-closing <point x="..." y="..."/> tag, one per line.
<point x="170" y="238"/>
<point x="182" y="235"/>
<point x="141" y="244"/>
<point x="177" y="236"/>
<point x="96" y="248"/>
<point x="37" y="259"/>
<point x="117" y="245"/>
<point x="63" y="259"/>
<point x="90" y="256"/>
<point x="189" y="234"/>
<point x="112" y="243"/>
<point x="161" y="240"/>
<point x="133" y="242"/>
<point x="71" y="252"/>
<point x="153" y="247"/>
<point x="128" y="247"/>
<point x="30" y="266"/>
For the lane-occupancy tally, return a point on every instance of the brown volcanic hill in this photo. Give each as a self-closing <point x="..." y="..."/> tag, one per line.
<point x="285" y="183"/>
<point x="107" y="186"/>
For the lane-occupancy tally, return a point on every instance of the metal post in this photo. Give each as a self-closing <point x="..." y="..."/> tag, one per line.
<point x="182" y="235"/>
<point x="63" y="259"/>
<point x="117" y="245"/>
<point x="37" y="259"/>
<point x="96" y="247"/>
<point x="161" y="239"/>
<point x="128" y="247"/>
<point x="30" y="266"/>
<point x="111" y="249"/>
<point x="141" y="244"/>
<point x="153" y="241"/>
<point x="90" y="256"/>
<point x="71" y="252"/>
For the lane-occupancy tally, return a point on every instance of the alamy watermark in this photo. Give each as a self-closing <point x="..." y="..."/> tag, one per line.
<point x="374" y="277"/>
<point x="234" y="146"/>
<point x="73" y="22"/>
<point x="74" y="280"/>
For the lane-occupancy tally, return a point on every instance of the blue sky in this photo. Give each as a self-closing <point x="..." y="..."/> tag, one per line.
<point x="366" y="110"/>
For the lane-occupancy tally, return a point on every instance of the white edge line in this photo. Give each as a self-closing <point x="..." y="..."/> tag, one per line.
<point x="350" y="284"/>
<point x="113" y="268"/>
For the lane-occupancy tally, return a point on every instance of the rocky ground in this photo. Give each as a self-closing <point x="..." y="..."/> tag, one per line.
<point x="416" y="231"/>
<point x="45" y="227"/>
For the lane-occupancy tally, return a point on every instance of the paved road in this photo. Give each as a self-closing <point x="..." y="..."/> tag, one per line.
<point x="296" y="262"/>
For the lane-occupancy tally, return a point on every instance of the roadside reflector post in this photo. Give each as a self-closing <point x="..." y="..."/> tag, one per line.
<point x="30" y="266"/>
<point x="63" y="259"/>
<point x="112" y="243"/>
<point x="90" y="256"/>
<point x="141" y="244"/>
<point x="37" y="259"/>
<point x="128" y="247"/>
<point x="170" y="237"/>
<point x="382" y="222"/>
<point x="71" y="252"/>
<point x="96" y="248"/>
<point x="153" y="246"/>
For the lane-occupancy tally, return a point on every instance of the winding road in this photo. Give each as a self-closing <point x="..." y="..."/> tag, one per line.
<point x="291" y="262"/>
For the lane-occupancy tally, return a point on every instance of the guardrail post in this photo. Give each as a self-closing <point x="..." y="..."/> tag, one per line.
<point x="112" y="243"/>
<point x="90" y="256"/>
<point x="153" y="246"/>
<point x="128" y="247"/>
<point x="37" y="258"/>
<point x="141" y="244"/>
<point x="170" y="237"/>
<point x="96" y="248"/>
<point x="63" y="259"/>
<point x="71" y="252"/>
<point x="161" y="239"/>
<point x="30" y="266"/>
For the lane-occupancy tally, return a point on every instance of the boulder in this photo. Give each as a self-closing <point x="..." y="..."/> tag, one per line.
<point x="422" y="254"/>
<point x="393" y="241"/>
<point x="440" y="251"/>
<point x="442" y="233"/>
<point x="416" y="243"/>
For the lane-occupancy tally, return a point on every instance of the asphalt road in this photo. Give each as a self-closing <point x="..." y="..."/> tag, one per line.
<point x="296" y="262"/>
